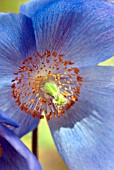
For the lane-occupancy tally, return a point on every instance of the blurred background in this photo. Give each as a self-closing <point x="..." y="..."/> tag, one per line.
<point x="48" y="154"/>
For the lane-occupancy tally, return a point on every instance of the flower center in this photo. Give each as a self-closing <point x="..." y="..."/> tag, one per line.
<point x="46" y="83"/>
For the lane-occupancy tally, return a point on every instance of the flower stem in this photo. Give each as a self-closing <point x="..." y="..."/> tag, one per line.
<point x="35" y="142"/>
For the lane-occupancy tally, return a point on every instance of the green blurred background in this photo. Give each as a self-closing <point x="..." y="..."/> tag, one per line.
<point x="48" y="154"/>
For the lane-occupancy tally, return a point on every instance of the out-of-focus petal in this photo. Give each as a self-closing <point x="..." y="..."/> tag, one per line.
<point x="15" y="155"/>
<point x="30" y="8"/>
<point x="81" y="30"/>
<point x="16" y="43"/>
<point x="85" y="135"/>
<point x="4" y="118"/>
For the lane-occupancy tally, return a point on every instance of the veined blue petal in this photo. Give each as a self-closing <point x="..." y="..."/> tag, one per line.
<point x="16" y="43"/>
<point x="30" y="8"/>
<point x="4" y="118"/>
<point x="15" y="155"/>
<point x="85" y="135"/>
<point x="81" y="30"/>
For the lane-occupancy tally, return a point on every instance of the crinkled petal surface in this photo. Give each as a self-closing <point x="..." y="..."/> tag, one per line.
<point x="4" y="118"/>
<point x="30" y="8"/>
<point x="15" y="155"/>
<point x="81" y="30"/>
<point x="16" y="43"/>
<point x="85" y="135"/>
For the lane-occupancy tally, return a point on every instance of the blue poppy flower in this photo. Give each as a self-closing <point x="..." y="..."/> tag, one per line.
<point x="60" y="77"/>
<point x="13" y="153"/>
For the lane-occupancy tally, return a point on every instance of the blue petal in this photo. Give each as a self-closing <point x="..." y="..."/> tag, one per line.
<point x="7" y="104"/>
<point x="4" y="118"/>
<point x="15" y="155"/>
<point x="85" y="135"/>
<point x="16" y="43"/>
<point x="82" y="30"/>
<point x="30" y="8"/>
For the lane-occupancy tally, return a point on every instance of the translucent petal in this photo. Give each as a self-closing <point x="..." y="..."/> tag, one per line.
<point x="81" y="30"/>
<point x="30" y="8"/>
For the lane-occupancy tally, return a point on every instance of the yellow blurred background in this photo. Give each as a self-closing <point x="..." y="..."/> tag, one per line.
<point x="48" y="154"/>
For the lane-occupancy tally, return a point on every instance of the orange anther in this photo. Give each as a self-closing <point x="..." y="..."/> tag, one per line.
<point x="54" y="54"/>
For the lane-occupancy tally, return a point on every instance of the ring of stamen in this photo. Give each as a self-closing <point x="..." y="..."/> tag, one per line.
<point x="46" y="83"/>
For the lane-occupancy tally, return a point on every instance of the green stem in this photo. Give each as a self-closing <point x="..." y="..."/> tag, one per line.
<point x="35" y="142"/>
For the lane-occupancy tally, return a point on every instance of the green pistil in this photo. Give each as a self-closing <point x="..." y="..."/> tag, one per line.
<point x="53" y="91"/>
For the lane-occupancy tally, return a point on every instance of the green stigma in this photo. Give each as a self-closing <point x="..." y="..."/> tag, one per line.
<point x="53" y="91"/>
